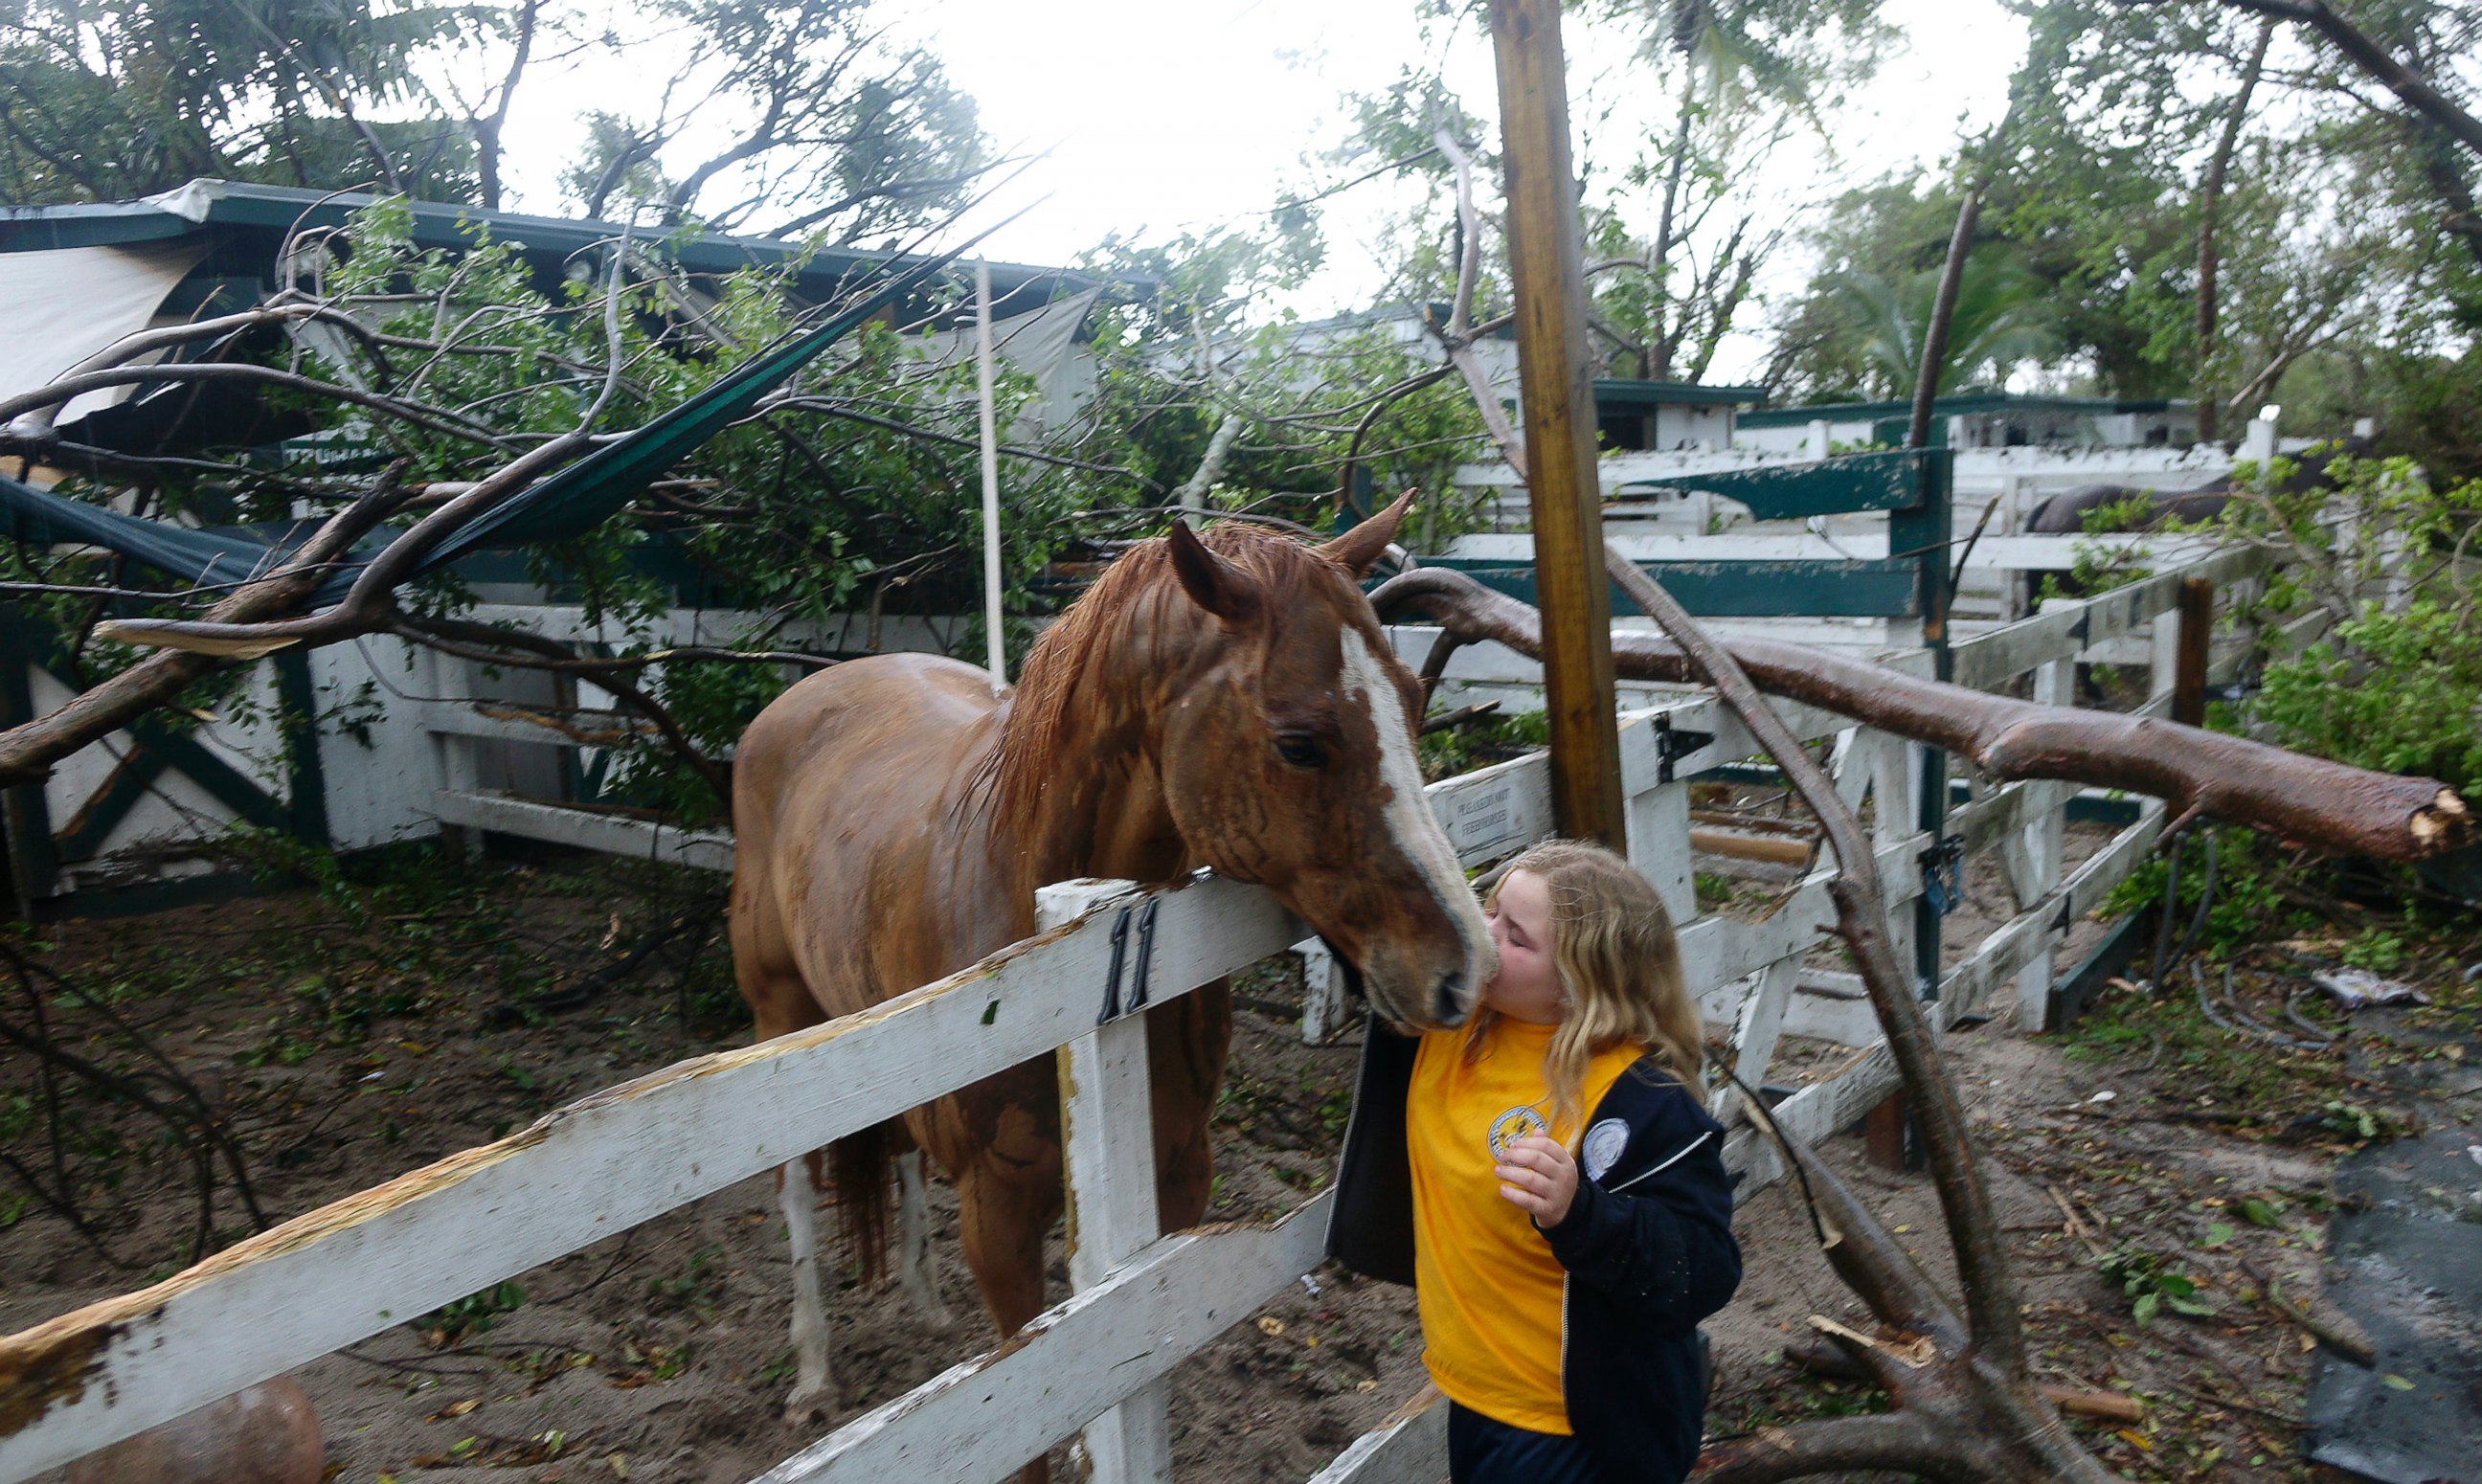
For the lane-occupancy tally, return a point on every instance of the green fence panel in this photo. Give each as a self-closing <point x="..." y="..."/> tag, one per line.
<point x="1831" y="486"/>
<point x="1875" y="588"/>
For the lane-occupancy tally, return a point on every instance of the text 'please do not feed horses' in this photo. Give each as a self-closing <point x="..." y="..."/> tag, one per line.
<point x="1227" y="702"/>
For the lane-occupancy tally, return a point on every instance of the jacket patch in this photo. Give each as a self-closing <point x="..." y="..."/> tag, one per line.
<point x="1602" y="1147"/>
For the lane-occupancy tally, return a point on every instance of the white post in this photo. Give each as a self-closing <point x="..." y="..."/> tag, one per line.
<point x="1324" y="1001"/>
<point x="452" y="680"/>
<point x="2257" y="444"/>
<point x="1658" y="846"/>
<point x="1107" y="1145"/>
<point x="1895" y="784"/>
<point x="1815" y="443"/>
<point x="2164" y="629"/>
<point x="1755" y="1028"/>
<point x="2054" y="686"/>
<point x="994" y="634"/>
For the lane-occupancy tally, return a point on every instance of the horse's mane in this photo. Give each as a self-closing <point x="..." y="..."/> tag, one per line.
<point x="1063" y="663"/>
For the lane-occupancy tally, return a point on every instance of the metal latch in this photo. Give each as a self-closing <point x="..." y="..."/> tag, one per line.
<point x="1672" y="745"/>
<point x="1943" y="874"/>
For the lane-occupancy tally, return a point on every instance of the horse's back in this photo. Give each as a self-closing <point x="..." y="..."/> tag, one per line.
<point x="844" y="802"/>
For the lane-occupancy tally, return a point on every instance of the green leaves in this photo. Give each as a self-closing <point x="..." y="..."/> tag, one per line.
<point x="2002" y="317"/>
<point x="2152" y="1286"/>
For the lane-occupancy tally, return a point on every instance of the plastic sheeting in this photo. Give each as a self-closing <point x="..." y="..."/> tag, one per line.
<point x="1042" y="345"/>
<point x="66" y="304"/>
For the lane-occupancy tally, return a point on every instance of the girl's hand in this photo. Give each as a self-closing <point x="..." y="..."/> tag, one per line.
<point x="1538" y="1176"/>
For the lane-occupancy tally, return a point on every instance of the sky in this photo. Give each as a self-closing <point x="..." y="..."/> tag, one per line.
<point x="1169" y="118"/>
<point x="1172" y="117"/>
<point x="1163" y="118"/>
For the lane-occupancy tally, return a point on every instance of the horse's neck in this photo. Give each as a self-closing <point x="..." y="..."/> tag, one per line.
<point x="1102" y="812"/>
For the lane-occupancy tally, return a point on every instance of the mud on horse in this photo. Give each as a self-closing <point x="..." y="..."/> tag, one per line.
<point x="1226" y="701"/>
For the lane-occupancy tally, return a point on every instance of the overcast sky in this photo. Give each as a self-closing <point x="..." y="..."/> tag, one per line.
<point x="1182" y="117"/>
<point x="1165" y="119"/>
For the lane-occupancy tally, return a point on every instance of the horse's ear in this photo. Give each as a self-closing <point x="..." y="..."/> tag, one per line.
<point x="1356" y="550"/>
<point x="1213" y="583"/>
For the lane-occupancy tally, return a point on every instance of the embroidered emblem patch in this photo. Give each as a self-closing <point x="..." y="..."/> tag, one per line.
<point x="1516" y="1124"/>
<point x="1602" y="1147"/>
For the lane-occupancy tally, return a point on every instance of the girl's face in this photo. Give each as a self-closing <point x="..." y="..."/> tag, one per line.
<point x="1528" y="986"/>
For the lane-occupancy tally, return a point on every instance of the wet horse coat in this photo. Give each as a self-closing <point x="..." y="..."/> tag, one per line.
<point x="1227" y="702"/>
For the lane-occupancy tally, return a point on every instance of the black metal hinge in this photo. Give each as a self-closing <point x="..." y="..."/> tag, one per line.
<point x="1672" y="745"/>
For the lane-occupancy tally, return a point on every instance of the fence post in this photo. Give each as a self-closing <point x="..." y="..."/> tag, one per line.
<point x="2197" y="645"/>
<point x="1658" y="846"/>
<point x="25" y="816"/>
<point x="453" y="682"/>
<point x="1326" y="1003"/>
<point x="1925" y="533"/>
<point x="2054" y="686"/>
<point x="1107" y="1145"/>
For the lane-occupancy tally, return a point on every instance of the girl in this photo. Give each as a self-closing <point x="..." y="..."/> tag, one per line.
<point x="1548" y="1179"/>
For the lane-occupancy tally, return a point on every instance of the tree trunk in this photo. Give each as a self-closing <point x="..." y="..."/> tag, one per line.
<point x="1934" y="364"/>
<point x="2210" y="194"/>
<point x="2205" y="774"/>
<point x="2410" y="87"/>
<point x="1660" y="339"/>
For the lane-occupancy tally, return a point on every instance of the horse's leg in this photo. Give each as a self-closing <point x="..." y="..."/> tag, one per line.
<point x="1000" y="1140"/>
<point x="781" y="1002"/>
<point x="813" y="1398"/>
<point x="914" y="1267"/>
<point x="1001" y="1220"/>
<point x="1186" y="1042"/>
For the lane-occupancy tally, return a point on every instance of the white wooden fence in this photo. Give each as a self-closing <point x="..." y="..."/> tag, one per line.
<point x="1142" y="1302"/>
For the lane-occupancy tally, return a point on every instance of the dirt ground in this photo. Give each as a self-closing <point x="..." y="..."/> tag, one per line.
<point x="349" y="1036"/>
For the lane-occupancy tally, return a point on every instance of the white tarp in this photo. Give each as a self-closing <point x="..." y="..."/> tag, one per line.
<point x="1042" y="345"/>
<point x="66" y="304"/>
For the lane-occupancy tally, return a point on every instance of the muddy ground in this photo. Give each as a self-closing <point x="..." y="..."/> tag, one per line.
<point x="346" y="1036"/>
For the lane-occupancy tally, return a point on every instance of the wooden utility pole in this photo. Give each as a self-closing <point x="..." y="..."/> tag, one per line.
<point x="1545" y="258"/>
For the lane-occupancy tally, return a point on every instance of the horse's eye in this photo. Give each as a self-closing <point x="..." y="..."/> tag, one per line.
<point x="1300" y="749"/>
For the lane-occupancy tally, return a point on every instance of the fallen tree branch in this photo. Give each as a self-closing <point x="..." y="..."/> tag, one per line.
<point x="1862" y="921"/>
<point x="2205" y="774"/>
<point x="1456" y="337"/>
<point x="27" y="752"/>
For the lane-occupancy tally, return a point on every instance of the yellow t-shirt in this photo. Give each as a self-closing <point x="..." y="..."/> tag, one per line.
<point x="1487" y="1284"/>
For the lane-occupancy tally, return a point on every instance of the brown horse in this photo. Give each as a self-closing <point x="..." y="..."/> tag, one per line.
<point x="1227" y="702"/>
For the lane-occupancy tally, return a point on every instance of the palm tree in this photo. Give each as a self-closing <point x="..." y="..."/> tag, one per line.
<point x="2002" y="317"/>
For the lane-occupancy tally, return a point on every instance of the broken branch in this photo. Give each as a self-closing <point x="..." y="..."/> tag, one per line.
<point x="2310" y="800"/>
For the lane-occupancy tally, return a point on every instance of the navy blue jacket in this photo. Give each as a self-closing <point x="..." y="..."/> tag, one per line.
<point x="1648" y="1245"/>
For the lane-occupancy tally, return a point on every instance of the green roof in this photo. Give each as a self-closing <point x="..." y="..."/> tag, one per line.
<point x="1962" y="405"/>
<point x="250" y="210"/>
<point x="1611" y="393"/>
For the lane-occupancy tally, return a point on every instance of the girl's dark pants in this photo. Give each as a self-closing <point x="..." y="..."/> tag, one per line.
<point x="1483" y="1451"/>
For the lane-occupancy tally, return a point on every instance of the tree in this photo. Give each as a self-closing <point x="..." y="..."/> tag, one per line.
<point x="2205" y="217"/>
<point x="864" y="465"/>
<point x="776" y="117"/>
<point x="2001" y="318"/>
<point x="826" y="129"/>
<point x="122" y="98"/>
<point x="1748" y="72"/>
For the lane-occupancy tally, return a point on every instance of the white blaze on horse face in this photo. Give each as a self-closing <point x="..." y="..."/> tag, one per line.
<point x="1411" y="824"/>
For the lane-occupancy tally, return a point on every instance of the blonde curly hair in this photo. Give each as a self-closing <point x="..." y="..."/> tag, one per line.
<point x="1619" y="965"/>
